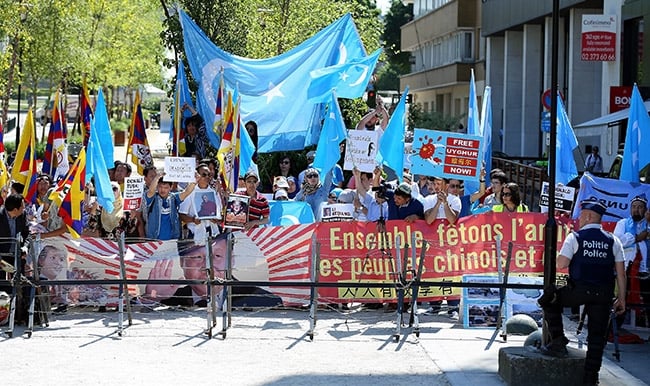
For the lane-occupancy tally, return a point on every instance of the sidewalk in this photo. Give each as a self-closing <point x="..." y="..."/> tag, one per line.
<point x="157" y="145"/>
<point x="270" y="347"/>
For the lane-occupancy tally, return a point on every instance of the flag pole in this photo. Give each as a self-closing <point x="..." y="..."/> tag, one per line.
<point x="550" y="236"/>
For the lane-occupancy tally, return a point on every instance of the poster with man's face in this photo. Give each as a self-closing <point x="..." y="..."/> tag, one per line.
<point x="236" y="211"/>
<point x="205" y="203"/>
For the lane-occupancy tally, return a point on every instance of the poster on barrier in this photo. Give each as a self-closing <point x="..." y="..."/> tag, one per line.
<point x="349" y="252"/>
<point x="480" y="305"/>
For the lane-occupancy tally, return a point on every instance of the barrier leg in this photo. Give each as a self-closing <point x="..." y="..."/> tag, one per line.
<point x="502" y="298"/>
<point x="313" y="293"/>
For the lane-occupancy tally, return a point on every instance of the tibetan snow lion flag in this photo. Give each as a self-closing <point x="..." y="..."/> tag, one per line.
<point x="138" y="144"/>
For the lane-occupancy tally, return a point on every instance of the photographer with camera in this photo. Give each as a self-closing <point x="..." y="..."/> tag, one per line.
<point x="401" y="205"/>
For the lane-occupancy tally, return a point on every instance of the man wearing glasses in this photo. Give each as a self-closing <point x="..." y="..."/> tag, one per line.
<point x="198" y="227"/>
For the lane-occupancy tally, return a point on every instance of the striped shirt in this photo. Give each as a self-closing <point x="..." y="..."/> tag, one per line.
<point x="258" y="207"/>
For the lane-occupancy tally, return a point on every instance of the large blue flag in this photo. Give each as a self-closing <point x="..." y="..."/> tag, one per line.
<point x="391" y="144"/>
<point x="97" y="169"/>
<point x="565" y="164"/>
<point x="637" y="137"/>
<point x="328" y="152"/>
<point x="273" y="90"/>
<point x="103" y="130"/>
<point x="473" y="126"/>
<point x="348" y="80"/>
<point x="486" y="129"/>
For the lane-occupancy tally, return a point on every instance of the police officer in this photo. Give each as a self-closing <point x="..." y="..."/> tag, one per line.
<point x="594" y="258"/>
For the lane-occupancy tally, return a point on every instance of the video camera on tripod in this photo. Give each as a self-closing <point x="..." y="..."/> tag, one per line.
<point x="381" y="190"/>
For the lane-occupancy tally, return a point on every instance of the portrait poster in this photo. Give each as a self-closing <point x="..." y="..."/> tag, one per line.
<point x="236" y="211"/>
<point x="205" y="202"/>
<point x="337" y="212"/>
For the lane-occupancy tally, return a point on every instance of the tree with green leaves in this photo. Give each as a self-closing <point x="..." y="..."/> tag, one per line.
<point x="267" y="28"/>
<point x="398" y="61"/>
<point x="56" y="42"/>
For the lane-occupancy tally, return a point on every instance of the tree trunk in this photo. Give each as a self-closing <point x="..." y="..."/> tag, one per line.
<point x="10" y="82"/>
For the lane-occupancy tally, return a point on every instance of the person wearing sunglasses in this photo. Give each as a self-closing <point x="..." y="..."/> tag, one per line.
<point x="511" y="199"/>
<point x="197" y="226"/>
<point x="313" y="191"/>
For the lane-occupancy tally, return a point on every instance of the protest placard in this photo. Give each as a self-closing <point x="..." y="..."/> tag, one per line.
<point x="180" y="169"/>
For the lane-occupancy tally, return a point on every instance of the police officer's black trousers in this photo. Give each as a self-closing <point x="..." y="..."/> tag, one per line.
<point x="598" y="303"/>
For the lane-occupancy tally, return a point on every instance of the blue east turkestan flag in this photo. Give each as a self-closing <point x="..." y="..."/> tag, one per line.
<point x="328" y="152"/>
<point x="97" y="169"/>
<point x="391" y="144"/>
<point x="565" y="164"/>
<point x="273" y="92"/>
<point x="473" y="127"/>
<point x="290" y="213"/>
<point x="486" y="129"/>
<point x="637" y="138"/>
<point x="103" y="130"/>
<point x="348" y="80"/>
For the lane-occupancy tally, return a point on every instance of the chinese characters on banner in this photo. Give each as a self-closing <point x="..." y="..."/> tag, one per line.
<point x="446" y="154"/>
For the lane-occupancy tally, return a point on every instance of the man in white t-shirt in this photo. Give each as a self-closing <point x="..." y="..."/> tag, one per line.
<point x="188" y="211"/>
<point x="440" y="204"/>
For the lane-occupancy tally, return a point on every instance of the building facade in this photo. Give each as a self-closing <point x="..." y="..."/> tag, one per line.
<point x="509" y="45"/>
<point x="445" y="44"/>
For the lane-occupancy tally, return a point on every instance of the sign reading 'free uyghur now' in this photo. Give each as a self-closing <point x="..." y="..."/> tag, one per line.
<point x="446" y="154"/>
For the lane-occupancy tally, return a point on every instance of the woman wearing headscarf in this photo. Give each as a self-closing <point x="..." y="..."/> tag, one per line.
<point x="111" y="220"/>
<point x="313" y="191"/>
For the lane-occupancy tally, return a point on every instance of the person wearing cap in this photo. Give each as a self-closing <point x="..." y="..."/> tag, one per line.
<point x="402" y="206"/>
<point x="313" y="191"/>
<point x="281" y="195"/>
<point x="258" y="206"/>
<point x="440" y="204"/>
<point x="594" y="162"/>
<point x="633" y="233"/>
<point x="592" y="256"/>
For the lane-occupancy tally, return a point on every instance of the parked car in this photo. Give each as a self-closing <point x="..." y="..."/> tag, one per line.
<point x="44" y="114"/>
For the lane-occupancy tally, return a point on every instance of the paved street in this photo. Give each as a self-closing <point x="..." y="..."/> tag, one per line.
<point x="270" y="347"/>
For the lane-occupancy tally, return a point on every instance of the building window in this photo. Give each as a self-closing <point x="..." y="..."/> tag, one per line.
<point x="455" y="48"/>
<point x="422" y="7"/>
